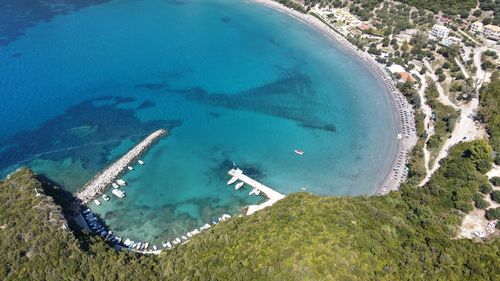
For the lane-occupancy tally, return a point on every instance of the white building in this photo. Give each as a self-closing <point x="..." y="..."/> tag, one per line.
<point x="476" y="26"/>
<point x="491" y="31"/>
<point x="440" y="31"/>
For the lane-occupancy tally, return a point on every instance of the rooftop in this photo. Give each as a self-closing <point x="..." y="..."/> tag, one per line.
<point x="492" y="27"/>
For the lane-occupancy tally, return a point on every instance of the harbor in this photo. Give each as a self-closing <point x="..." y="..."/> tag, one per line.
<point x="91" y="222"/>
<point x="270" y="193"/>
<point x="106" y="178"/>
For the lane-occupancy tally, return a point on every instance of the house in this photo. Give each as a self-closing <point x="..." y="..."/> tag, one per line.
<point x="443" y="20"/>
<point x="440" y="31"/>
<point x="363" y="27"/>
<point x="405" y="76"/>
<point x="476" y="26"/>
<point x="406" y="35"/>
<point x="491" y="31"/>
<point x="450" y="41"/>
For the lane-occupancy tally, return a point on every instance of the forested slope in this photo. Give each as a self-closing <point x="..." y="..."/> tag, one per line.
<point x="407" y="235"/>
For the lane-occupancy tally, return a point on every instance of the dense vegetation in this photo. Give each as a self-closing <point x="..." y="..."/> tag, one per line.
<point x="364" y="7"/>
<point x="404" y="235"/>
<point x="489" y="111"/>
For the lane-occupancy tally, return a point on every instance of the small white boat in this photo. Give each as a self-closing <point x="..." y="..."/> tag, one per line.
<point x="254" y="191"/>
<point x="97" y="202"/>
<point x="299" y="151"/>
<point x="115" y="185"/>
<point x="140" y="162"/>
<point x="105" y="197"/>
<point x="184" y="237"/>
<point x="155" y="248"/>
<point x="130" y="168"/>
<point x="121" y="182"/>
<point x="239" y="185"/>
<point x="118" y="193"/>
<point x="146" y="245"/>
<point x="169" y="245"/>
<point x="232" y="180"/>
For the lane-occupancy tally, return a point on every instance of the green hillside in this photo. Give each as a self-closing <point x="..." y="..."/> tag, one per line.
<point x="407" y="235"/>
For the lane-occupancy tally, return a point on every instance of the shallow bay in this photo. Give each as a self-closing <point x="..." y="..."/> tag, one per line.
<point x="230" y="80"/>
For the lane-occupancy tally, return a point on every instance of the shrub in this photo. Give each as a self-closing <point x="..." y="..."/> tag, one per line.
<point x="481" y="204"/>
<point x="495" y="196"/>
<point x="492" y="214"/>
<point x="485" y="188"/>
<point x="495" y="181"/>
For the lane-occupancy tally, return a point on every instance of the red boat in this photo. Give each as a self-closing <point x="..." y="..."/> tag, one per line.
<point x="299" y="151"/>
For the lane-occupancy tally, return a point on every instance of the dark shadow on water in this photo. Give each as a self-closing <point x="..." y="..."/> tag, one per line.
<point x="18" y="15"/>
<point x="146" y="104"/>
<point x="291" y="97"/>
<point x="85" y="133"/>
<point x="119" y="99"/>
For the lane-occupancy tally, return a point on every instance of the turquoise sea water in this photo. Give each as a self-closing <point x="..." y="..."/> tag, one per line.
<point x="83" y="82"/>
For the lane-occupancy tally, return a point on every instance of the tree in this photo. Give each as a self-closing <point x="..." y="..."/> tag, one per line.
<point x="493" y="214"/>
<point x="405" y="47"/>
<point x="495" y="181"/>
<point x="495" y="196"/>
<point x="485" y="188"/>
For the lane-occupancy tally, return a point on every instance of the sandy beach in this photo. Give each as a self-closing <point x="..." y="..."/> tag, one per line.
<point x="402" y="113"/>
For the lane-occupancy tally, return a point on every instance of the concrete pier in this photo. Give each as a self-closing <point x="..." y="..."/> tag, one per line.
<point x="102" y="180"/>
<point x="270" y="193"/>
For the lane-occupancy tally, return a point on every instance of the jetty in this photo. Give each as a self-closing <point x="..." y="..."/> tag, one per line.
<point x="105" y="178"/>
<point x="270" y="193"/>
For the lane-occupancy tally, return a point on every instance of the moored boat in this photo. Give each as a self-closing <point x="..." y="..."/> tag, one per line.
<point x="239" y="185"/>
<point x="97" y="202"/>
<point x="232" y="180"/>
<point x="105" y="197"/>
<point x="115" y="185"/>
<point x="121" y="182"/>
<point x="140" y="162"/>
<point x="118" y="193"/>
<point x="299" y="151"/>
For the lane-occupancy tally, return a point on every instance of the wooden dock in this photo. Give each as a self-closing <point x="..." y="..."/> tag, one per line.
<point x="104" y="179"/>
<point x="270" y="193"/>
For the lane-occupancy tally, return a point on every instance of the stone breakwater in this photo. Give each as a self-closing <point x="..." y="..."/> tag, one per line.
<point x="102" y="180"/>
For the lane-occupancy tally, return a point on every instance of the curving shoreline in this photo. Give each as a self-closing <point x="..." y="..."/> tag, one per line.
<point x="402" y="111"/>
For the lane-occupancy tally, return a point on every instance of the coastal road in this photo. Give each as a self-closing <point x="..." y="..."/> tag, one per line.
<point x="462" y="67"/>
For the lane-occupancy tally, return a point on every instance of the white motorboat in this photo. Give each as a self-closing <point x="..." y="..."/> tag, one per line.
<point x="105" y="197"/>
<point x="118" y="193"/>
<point x="121" y="182"/>
<point x="97" y="202"/>
<point x="239" y="185"/>
<point x="130" y="168"/>
<point x="232" y="180"/>
<point x="254" y="191"/>
<point x="141" y="162"/>
<point x="115" y="185"/>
